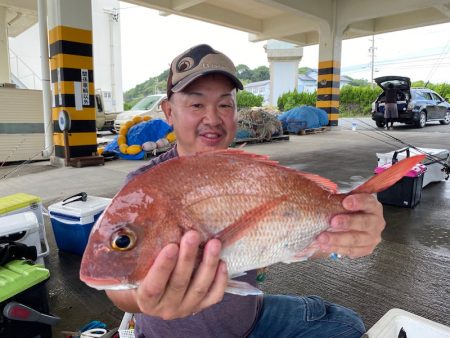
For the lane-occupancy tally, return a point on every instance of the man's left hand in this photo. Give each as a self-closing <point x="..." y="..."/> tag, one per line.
<point x="355" y="234"/>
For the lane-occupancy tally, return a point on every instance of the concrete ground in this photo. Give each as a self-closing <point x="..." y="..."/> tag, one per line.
<point x="410" y="269"/>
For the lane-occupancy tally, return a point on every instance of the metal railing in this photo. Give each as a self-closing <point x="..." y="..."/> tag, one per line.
<point x="22" y="74"/>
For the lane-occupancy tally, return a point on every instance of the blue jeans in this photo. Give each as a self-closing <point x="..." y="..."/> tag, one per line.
<point x="310" y="317"/>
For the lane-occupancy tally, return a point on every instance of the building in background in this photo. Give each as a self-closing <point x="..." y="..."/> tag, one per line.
<point x="306" y="83"/>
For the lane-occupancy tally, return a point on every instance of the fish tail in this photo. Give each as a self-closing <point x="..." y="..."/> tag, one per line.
<point x="389" y="177"/>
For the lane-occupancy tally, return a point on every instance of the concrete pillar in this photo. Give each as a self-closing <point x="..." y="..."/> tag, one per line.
<point x="328" y="80"/>
<point x="71" y="66"/>
<point x="283" y="63"/>
<point x="5" y="70"/>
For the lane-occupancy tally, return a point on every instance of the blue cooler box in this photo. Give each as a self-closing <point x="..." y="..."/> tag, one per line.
<point x="72" y="222"/>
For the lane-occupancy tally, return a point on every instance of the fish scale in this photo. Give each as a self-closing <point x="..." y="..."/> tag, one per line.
<point x="262" y="212"/>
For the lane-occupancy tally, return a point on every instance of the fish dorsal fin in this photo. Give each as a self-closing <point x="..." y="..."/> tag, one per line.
<point x="325" y="183"/>
<point x="247" y="221"/>
<point x="388" y="177"/>
<point x="322" y="181"/>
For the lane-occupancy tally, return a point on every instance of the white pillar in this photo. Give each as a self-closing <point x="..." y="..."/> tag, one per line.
<point x="45" y="76"/>
<point x="5" y="70"/>
<point x="283" y="63"/>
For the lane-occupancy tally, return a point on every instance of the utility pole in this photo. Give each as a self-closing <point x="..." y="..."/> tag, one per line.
<point x="372" y="62"/>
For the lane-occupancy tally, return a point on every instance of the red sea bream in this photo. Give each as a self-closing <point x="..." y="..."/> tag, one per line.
<point x="262" y="212"/>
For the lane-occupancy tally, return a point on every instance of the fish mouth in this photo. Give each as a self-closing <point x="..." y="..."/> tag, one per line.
<point x="108" y="284"/>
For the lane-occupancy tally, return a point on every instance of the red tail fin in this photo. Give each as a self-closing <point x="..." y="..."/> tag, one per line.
<point x="389" y="177"/>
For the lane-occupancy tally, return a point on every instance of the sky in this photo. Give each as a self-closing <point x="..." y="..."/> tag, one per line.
<point x="150" y="41"/>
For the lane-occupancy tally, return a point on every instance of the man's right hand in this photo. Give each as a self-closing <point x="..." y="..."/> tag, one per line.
<point x="172" y="288"/>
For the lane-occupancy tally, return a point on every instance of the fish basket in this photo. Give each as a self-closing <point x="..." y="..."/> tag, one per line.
<point x="126" y="333"/>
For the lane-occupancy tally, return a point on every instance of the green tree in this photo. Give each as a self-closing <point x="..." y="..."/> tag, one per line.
<point x="294" y="99"/>
<point x="246" y="99"/>
<point x="244" y="73"/>
<point x="260" y="74"/>
<point x="358" y="82"/>
<point x="304" y="70"/>
<point x="357" y="101"/>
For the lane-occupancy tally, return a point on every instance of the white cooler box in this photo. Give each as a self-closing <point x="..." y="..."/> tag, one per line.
<point x="72" y="222"/>
<point x="414" y="326"/>
<point x="21" y="228"/>
<point x="434" y="171"/>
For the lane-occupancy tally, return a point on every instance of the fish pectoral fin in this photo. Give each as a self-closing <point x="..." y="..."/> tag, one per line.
<point x="242" y="288"/>
<point x="247" y="222"/>
<point x="302" y="255"/>
<point x="238" y="274"/>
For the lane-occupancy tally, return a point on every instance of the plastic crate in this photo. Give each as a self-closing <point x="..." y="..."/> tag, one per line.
<point x="394" y="320"/>
<point x="23" y="282"/>
<point x="124" y="329"/>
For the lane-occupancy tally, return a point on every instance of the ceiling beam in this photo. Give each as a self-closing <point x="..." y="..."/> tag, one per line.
<point x="349" y="11"/>
<point x="419" y="18"/>
<point x="283" y="26"/>
<point x="444" y="9"/>
<point x="313" y="9"/>
<point x="414" y="19"/>
<point x="224" y="17"/>
<point x="180" y="5"/>
<point x="208" y="13"/>
<point x="20" y="5"/>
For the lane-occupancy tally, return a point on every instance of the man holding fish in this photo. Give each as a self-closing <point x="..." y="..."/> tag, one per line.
<point x="182" y="295"/>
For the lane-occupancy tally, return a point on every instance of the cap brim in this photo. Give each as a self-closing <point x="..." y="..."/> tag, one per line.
<point x="189" y="79"/>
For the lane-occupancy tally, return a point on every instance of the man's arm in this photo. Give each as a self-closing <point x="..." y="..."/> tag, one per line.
<point x="357" y="234"/>
<point x="172" y="288"/>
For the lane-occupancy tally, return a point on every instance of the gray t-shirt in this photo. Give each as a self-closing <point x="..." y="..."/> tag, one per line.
<point x="235" y="316"/>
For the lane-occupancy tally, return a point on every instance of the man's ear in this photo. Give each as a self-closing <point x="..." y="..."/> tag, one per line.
<point x="167" y="109"/>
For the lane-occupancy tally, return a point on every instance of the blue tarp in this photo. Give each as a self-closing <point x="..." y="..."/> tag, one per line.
<point x="142" y="132"/>
<point x="303" y="117"/>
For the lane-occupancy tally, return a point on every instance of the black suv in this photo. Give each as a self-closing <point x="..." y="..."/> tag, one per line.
<point x="415" y="105"/>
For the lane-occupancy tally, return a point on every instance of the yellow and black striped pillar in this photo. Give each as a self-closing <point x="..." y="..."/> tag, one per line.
<point x="71" y="65"/>
<point x="328" y="82"/>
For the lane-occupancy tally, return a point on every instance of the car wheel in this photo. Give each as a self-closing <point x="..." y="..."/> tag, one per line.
<point x="446" y="119"/>
<point x="379" y="123"/>
<point x="422" y="122"/>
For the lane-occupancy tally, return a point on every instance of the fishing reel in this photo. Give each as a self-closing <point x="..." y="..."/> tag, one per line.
<point x="446" y="170"/>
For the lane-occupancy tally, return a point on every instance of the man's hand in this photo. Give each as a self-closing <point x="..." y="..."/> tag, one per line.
<point x="172" y="288"/>
<point x="357" y="234"/>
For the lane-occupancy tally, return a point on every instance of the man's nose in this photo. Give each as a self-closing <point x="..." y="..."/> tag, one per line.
<point x="212" y="116"/>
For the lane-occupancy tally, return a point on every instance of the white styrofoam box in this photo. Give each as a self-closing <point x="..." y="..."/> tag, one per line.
<point x="415" y="326"/>
<point x="434" y="171"/>
<point x="22" y="228"/>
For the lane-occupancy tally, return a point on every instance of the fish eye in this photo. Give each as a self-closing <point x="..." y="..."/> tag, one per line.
<point x="123" y="240"/>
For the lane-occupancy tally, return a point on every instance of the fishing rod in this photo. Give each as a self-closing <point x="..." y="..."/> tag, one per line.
<point x="24" y="163"/>
<point x="446" y="166"/>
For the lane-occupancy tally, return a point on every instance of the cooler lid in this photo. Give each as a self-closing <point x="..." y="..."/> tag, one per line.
<point x="19" y="275"/>
<point x="17" y="201"/>
<point x="442" y="154"/>
<point x="92" y="206"/>
<point x="18" y="222"/>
